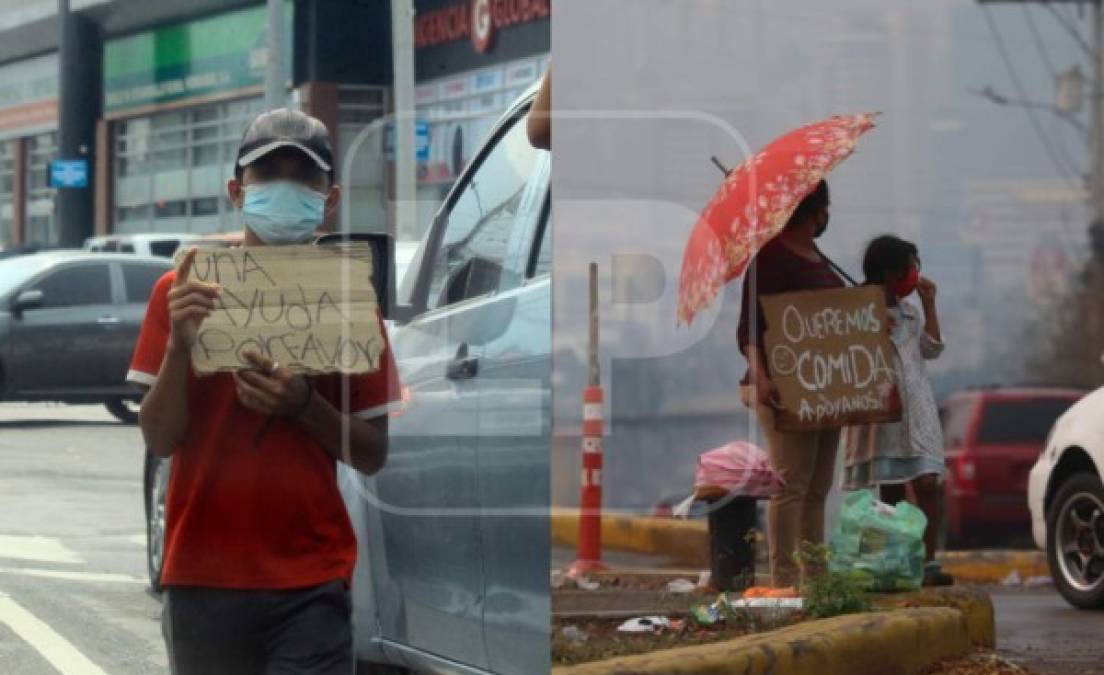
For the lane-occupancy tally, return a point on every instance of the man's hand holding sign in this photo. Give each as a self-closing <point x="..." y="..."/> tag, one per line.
<point x="269" y="390"/>
<point x="190" y="302"/>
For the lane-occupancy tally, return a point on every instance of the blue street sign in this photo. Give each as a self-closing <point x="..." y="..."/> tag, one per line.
<point x="421" y="141"/>
<point x="69" y="173"/>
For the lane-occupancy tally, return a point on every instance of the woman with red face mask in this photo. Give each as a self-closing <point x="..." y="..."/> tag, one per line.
<point x="909" y="452"/>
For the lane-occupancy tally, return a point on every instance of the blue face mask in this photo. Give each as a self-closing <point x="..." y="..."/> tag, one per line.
<point x="282" y="212"/>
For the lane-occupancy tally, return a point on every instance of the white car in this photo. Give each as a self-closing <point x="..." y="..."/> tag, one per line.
<point x="1066" y="498"/>
<point x="158" y="244"/>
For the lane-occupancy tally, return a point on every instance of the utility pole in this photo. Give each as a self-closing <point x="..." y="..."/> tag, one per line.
<point x="594" y="371"/>
<point x="402" y="54"/>
<point x="80" y="94"/>
<point x="1096" y="175"/>
<point x="275" y="77"/>
<point x="1095" y="187"/>
<point x="589" y="543"/>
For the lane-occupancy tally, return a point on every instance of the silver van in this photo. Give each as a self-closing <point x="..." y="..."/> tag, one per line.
<point x="452" y="573"/>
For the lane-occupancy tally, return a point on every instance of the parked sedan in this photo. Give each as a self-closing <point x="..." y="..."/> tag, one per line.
<point x="1066" y="498"/>
<point x="68" y="324"/>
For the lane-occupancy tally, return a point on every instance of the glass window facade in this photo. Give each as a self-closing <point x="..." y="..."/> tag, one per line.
<point x="41" y="219"/>
<point x="171" y="168"/>
<point x="365" y="185"/>
<point x="7" y="190"/>
<point x="460" y="110"/>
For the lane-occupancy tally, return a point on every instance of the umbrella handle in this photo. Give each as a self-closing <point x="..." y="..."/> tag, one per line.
<point x="725" y="170"/>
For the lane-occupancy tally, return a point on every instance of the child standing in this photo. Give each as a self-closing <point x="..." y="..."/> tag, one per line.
<point x="909" y="452"/>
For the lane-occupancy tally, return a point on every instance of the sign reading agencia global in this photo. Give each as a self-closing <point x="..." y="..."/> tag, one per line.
<point x="477" y="20"/>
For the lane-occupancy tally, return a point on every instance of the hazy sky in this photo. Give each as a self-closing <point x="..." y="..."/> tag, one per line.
<point x="650" y="89"/>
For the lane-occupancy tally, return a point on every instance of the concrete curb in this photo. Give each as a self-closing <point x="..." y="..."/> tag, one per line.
<point x="898" y="642"/>
<point x="686" y="543"/>
<point x="994" y="566"/>
<point x="683" y="542"/>
<point x="974" y="604"/>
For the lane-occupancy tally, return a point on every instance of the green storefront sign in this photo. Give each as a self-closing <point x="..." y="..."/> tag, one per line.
<point x="217" y="56"/>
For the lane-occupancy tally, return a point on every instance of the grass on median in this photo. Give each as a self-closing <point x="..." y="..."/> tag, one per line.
<point x="828" y="593"/>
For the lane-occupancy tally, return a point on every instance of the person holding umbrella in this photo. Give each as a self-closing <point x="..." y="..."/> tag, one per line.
<point x="765" y="219"/>
<point x="804" y="461"/>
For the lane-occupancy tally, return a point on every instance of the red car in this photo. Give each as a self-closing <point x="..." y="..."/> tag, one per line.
<point x="992" y="438"/>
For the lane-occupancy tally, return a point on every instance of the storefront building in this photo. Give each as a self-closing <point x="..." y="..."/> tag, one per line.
<point x="176" y="100"/>
<point x="473" y="59"/>
<point x="28" y="141"/>
<point x="179" y="88"/>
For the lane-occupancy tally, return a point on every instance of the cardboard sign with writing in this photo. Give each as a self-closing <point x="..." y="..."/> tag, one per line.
<point x="310" y="308"/>
<point x="831" y="358"/>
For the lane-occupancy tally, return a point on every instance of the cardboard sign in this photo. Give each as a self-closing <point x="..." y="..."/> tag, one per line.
<point x="310" y="308"/>
<point x="831" y="358"/>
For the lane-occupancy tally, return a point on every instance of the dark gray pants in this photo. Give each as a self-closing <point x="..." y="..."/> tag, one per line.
<point x="209" y="631"/>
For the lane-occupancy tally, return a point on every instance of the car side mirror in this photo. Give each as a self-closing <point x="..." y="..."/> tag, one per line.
<point x="486" y="325"/>
<point x="401" y="314"/>
<point x="27" y="300"/>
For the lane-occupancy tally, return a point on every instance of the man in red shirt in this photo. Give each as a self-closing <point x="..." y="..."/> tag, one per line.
<point x="259" y="549"/>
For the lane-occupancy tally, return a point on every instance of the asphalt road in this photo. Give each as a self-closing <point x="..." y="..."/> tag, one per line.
<point x="73" y="591"/>
<point x="1037" y="629"/>
<point x="74" y="596"/>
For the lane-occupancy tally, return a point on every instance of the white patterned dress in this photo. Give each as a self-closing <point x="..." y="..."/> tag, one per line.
<point x="897" y="452"/>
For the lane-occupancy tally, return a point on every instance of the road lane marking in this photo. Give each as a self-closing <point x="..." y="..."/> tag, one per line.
<point x="138" y="539"/>
<point x="66" y="575"/>
<point x="61" y="654"/>
<point x="39" y="549"/>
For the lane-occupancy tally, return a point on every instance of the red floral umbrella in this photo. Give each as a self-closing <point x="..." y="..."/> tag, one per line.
<point x="754" y="203"/>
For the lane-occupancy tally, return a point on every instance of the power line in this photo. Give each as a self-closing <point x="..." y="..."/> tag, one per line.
<point x="1020" y="91"/>
<point x="1071" y="28"/>
<point x="1075" y="13"/>
<point x="1039" y="46"/>
<point x="1063" y="149"/>
<point x="1035" y="124"/>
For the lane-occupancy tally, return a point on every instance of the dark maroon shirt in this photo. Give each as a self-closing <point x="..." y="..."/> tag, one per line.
<point x="777" y="269"/>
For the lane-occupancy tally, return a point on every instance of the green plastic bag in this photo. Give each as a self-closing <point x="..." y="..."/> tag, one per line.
<point x="880" y="545"/>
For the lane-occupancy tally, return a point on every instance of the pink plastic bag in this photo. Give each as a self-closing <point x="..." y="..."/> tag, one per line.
<point x="738" y="468"/>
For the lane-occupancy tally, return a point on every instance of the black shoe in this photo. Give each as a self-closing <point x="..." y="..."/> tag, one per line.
<point x="934" y="576"/>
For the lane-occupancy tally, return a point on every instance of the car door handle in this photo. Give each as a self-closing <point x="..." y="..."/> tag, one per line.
<point x="462" y="367"/>
<point x="107" y="320"/>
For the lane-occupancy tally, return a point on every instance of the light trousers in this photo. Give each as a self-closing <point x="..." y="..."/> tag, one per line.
<point x="806" y="462"/>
